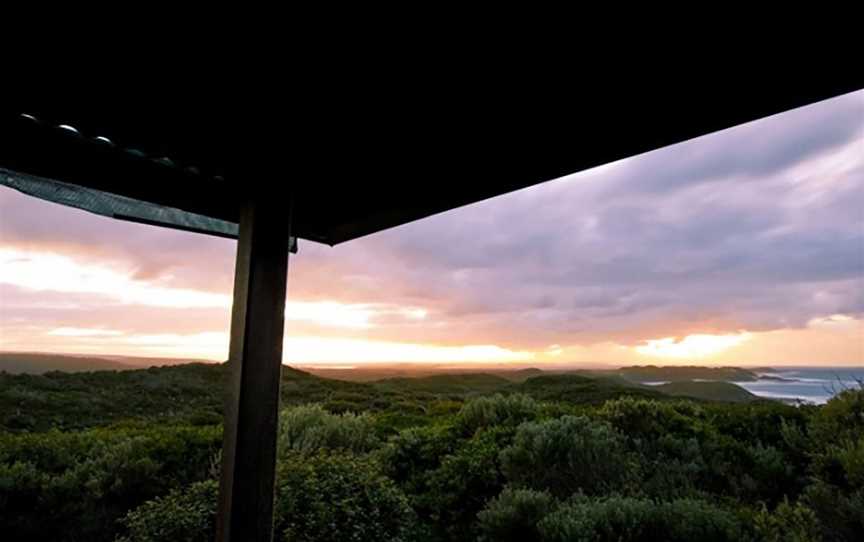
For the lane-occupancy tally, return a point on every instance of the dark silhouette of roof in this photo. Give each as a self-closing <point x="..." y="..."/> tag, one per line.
<point x="357" y="157"/>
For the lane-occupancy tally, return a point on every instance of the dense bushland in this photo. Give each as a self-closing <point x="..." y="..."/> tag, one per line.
<point x="362" y="463"/>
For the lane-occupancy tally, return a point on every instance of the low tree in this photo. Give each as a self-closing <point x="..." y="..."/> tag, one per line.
<point x="325" y="497"/>
<point x="514" y="515"/>
<point x="187" y="514"/>
<point x="787" y="523"/>
<point x="496" y="410"/>
<point x="309" y="428"/>
<point x="627" y="519"/>
<point x="568" y="455"/>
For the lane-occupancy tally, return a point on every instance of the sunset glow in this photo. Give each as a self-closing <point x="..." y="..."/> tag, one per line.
<point x="319" y="350"/>
<point x="741" y="247"/>
<point x="691" y="346"/>
<point x="40" y="271"/>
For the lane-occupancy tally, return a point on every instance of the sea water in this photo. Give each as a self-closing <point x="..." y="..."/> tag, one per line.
<point x="807" y="384"/>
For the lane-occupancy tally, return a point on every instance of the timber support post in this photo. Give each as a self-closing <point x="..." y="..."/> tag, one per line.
<point x="246" y="489"/>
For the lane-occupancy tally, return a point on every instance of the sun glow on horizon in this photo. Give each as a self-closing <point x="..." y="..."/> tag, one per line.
<point x="328" y="349"/>
<point x="84" y="332"/>
<point x="692" y="346"/>
<point x="826" y="337"/>
<point x="213" y="345"/>
<point x="42" y="271"/>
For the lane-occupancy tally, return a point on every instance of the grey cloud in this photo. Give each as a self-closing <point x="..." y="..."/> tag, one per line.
<point x="746" y="250"/>
<point x="753" y="150"/>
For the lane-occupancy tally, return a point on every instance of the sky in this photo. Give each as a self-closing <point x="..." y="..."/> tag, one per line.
<point x="743" y="247"/>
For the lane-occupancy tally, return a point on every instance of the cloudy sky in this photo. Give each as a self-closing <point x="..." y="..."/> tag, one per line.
<point x="741" y="247"/>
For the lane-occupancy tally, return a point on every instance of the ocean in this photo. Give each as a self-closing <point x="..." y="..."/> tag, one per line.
<point x="808" y="384"/>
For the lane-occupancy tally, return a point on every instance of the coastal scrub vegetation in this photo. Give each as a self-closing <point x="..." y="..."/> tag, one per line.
<point x="133" y="456"/>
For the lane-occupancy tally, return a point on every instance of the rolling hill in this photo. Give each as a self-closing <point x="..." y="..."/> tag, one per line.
<point x="40" y="362"/>
<point x="574" y="388"/>
<point x="711" y="391"/>
<point x="653" y="373"/>
<point x="26" y="363"/>
<point x="41" y="397"/>
<point x="468" y="383"/>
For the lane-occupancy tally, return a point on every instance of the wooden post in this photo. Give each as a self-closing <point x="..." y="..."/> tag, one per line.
<point x="255" y="366"/>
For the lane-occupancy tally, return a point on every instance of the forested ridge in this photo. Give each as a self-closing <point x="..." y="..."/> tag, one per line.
<point x="134" y="456"/>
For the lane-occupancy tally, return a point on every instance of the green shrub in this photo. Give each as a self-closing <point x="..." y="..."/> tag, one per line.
<point x="319" y="497"/>
<point x="627" y="519"/>
<point x="390" y="423"/>
<point x="310" y="428"/>
<point x="841" y="419"/>
<point x="496" y="410"/>
<point x="666" y="437"/>
<point x="514" y="515"/>
<point x="465" y="481"/>
<point x="650" y="466"/>
<point x="650" y="419"/>
<point x="851" y="459"/>
<point x="672" y="467"/>
<point x="325" y="497"/>
<point x="841" y="464"/>
<point x="836" y="493"/>
<point x="75" y="485"/>
<point x="840" y="511"/>
<point x="787" y="523"/>
<point x="21" y="493"/>
<point x="568" y="455"/>
<point x="414" y="453"/>
<point x="184" y="515"/>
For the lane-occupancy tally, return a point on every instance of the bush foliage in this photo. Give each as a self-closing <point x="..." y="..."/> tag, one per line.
<point x="554" y="458"/>
<point x="569" y="454"/>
